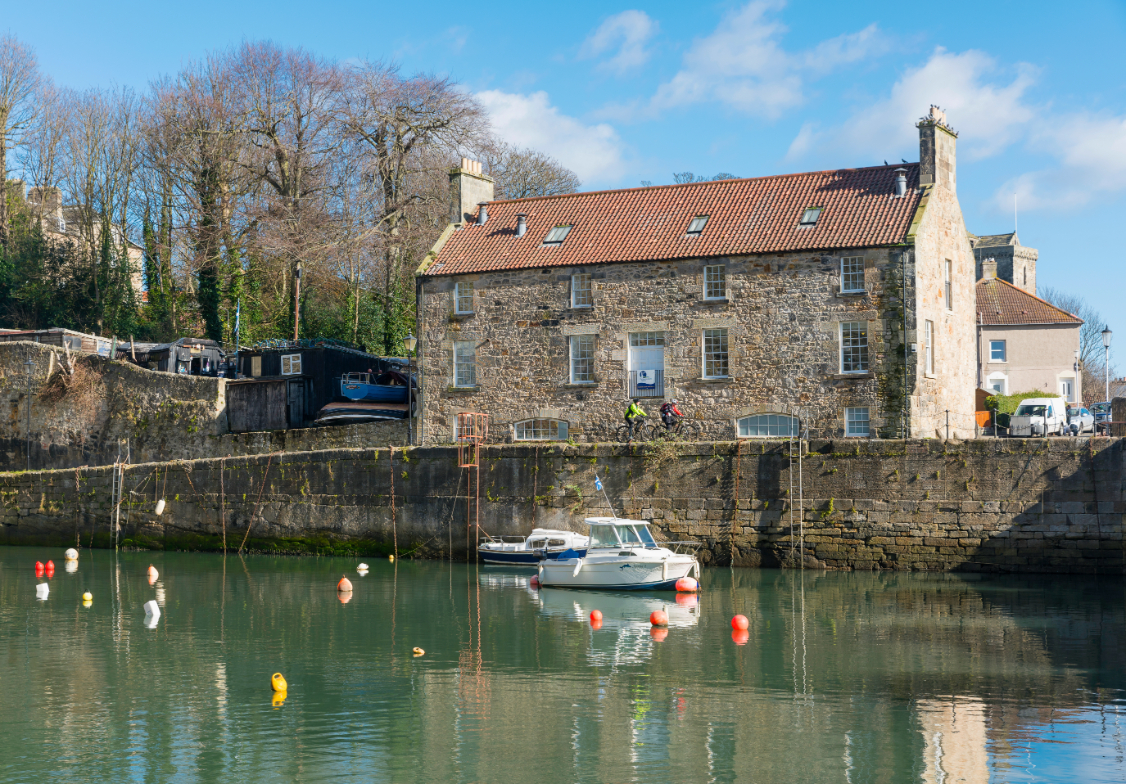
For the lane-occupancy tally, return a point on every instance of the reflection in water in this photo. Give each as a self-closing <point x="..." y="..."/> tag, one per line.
<point x="841" y="677"/>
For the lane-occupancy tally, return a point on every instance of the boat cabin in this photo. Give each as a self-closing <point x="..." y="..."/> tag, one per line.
<point x="619" y="532"/>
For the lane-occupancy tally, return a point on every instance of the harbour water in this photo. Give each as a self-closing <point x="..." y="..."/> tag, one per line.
<point x="842" y="678"/>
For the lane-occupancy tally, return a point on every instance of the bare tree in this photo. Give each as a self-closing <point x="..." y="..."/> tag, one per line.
<point x="19" y="83"/>
<point x="523" y="172"/>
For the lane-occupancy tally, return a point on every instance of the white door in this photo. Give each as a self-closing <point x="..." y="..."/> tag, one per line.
<point x="1067" y="390"/>
<point x="647" y="364"/>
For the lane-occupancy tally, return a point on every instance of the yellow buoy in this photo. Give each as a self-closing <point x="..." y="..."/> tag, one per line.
<point x="277" y="682"/>
<point x="391" y="558"/>
<point x="87" y="597"/>
<point x="418" y="651"/>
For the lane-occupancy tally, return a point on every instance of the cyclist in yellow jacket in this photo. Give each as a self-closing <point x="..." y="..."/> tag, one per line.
<point x="634" y="414"/>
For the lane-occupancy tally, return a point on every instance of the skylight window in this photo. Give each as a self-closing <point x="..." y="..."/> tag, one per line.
<point x="556" y="235"/>
<point x="696" y="227"/>
<point x="810" y="216"/>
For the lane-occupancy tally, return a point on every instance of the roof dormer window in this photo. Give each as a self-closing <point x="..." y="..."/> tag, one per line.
<point x="810" y="216"/>
<point x="557" y="235"/>
<point x="696" y="227"/>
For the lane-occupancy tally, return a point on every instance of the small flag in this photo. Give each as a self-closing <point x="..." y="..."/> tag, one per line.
<point x="597" y="483"/>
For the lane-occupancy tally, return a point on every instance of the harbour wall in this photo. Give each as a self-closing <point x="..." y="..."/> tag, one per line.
<point x="1053" y="505"/>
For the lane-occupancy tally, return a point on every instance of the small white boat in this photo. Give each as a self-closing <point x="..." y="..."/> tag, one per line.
<point x="621" y="555"/>
<point x="544" y="543"/>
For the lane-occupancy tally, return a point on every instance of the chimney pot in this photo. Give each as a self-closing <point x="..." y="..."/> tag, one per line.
<point x="521" y="224"/>
<point x="900" y="183"/>
<point x="482" y="212"/>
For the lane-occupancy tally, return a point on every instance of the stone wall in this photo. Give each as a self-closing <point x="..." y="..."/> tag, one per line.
<point x="1011" y="505"/>
<point x="123" y="410"/>
<point x="782" y="312"/>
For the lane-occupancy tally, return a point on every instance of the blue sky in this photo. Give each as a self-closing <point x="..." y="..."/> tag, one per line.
<point x="623" y="92"/>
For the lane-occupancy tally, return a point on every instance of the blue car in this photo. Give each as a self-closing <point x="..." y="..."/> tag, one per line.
<point x="1102" y="416"/>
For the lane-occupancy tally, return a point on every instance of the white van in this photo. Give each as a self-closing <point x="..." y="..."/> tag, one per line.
<point x="1039" y="416"/>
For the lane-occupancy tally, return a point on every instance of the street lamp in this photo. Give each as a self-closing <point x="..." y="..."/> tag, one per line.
<point x="1106" y="358"/>
<point x="28" y="366"/>
<point x="1078" y="387"/>
<point x="410" y="341"/>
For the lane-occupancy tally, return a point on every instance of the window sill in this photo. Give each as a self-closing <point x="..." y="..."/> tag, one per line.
<point x="852" y="376"/>
<point x="580" y="384"/>
<point x="463" y="390"/>
<point x="930" y="375"/>
<point x="722" y="380"/>
<point x="852" y="294"/>
<point x="582" y="307"/>
<point x="461" y="316"/>
<point x="715" y="301"/>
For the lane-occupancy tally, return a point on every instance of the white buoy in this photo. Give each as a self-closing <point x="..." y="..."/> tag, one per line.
<point x="160" y="507"/>
<point x="41" y="591"/>
<point x="71" y="554"/>
<point x="362" y="568"/>
<point x="152" y="609"/>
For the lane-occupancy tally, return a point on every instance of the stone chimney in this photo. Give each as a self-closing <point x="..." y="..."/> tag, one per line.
<point x="468" y="188"/>
<point x="988" y="269"/>
<point x="937" y="151"/>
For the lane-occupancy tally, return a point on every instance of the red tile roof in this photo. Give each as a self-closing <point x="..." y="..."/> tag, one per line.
<point x="1001" y="303"/>
<point x="746" y="216"/>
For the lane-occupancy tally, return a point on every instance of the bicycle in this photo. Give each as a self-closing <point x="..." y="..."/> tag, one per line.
<point x="683" y="429"/>
<point x="640" y="433"/>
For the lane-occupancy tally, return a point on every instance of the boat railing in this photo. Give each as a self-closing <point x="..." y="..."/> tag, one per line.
<point x="356" y="378"/>
<point x="504" y="539"/>
<point x="683" y="547"/>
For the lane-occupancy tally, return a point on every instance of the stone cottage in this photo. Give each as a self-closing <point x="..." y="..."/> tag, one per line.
<point x="841" y="300"/>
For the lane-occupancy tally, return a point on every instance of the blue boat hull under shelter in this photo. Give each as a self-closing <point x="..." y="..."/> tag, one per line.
<point x="389" y="387"/>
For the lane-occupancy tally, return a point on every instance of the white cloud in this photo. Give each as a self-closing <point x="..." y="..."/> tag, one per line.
<point x="989" y="116"/>
<point x="594" y="152"/>
<point x="1091" y="153"/>
<point x="743" y="64"/>
<point x="630" y="31"/>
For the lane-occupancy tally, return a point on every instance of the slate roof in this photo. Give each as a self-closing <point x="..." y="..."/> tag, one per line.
<point x="1001" y="303"/>
<point x="746" y="216"/>
<point x="997" y="240"/>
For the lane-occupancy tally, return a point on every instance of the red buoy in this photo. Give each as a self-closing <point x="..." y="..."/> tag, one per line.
<point x="596" y="625"/>
<point x="740" y="636"/>
<point x="534" y="582"/>
<point x="344" y="586"/>
<point x="39" y="568"/>
<point x="658" y="618"/>
<point x="595" y="616"/>
<point x="659" y="633"/>
<point x="740" y="623"/>
<point x="687" y="584"/>
<point x="50" y="569"/>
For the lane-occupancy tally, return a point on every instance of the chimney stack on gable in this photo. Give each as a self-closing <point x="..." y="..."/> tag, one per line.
<point x="938" y="157"/>
<point x="988" y="269"/>
<point x="468" y="188"/>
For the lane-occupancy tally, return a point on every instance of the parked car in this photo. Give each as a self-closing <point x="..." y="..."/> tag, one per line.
<point x="1080" y="420"/>
<point x="1039" y="416"/>
<point x="1102" y="416"/>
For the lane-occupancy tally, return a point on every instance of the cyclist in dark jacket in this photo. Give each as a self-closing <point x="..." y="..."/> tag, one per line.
<point x="670" y="414"/>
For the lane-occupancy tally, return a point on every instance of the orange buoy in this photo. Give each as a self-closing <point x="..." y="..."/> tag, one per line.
<point x="154" y="575"/>
<point x="596" y="624"/>
<point x="345" y="585"/>
<point x="740" y="623"/>
<point x="659" y="618"/>
<point x="534" y="582"/>
<point x="687" y="584"/>
<point x="659" y="633"/>
<point x="740" y="636"/>
<point x="595" y="615"/>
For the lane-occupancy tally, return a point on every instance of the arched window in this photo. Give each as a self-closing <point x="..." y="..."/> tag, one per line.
<point x="768" y="426"/>
<point x="541" y="430"/>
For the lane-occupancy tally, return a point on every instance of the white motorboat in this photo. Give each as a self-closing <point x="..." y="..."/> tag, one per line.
<point x="621" y="555"/>
<point x="544" y="543"/>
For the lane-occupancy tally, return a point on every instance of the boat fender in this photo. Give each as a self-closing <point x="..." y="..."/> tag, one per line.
<point x="578" y="568"/>
<point x="687" y="584"/>
<point x="665" y="569"/>
<point x="277" y="682"/>
<point x="160" y="507"/>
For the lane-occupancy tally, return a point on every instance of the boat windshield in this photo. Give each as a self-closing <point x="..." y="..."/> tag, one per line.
<point x="629" y="535"/>
<point x="646" y="537"/>
<point x="603" y="536"/>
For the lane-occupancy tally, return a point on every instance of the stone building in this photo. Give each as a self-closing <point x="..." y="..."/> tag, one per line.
<point x="1013" y="262"/>
<point x="844" y="298"/>
<point x="1025" y="343"/>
